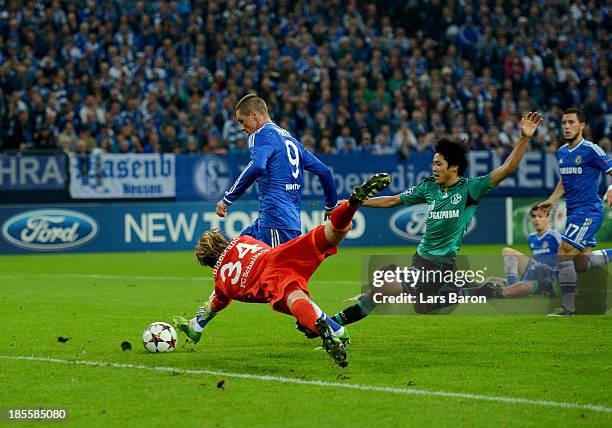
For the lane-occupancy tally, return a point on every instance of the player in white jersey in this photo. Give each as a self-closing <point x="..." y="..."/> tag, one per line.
<point x="580" y="164"/>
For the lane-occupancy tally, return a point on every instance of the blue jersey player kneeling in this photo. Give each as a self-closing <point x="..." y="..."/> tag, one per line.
<point x="278" y="162"/>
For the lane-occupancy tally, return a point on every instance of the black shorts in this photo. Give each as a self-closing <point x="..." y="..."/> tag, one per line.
<point x="432" y="275"/>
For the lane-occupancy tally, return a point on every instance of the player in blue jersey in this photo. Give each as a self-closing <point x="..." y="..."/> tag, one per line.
<point x="277" y="164"/>
<point x="580" y="163"/>
<point x="536" y="274"/>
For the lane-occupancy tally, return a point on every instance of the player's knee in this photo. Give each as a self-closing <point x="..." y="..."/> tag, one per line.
<point x="295" y="295"/>
<point x="329" y="236"/>
<point x="507" y="251"/>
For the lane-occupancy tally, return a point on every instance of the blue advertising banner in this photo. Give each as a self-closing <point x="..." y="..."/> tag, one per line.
<point x="537" y="173"/>
<point x="32" y="172"/>
<point x="177" y="226"/>
<point x="207" y="177"/>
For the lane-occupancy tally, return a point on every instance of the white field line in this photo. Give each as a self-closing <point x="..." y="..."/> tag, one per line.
<point x="319" y="383"/>
<point x="140" y="277"/>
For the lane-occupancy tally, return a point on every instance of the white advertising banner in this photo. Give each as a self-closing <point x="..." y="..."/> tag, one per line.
<point x="129" y="175"/>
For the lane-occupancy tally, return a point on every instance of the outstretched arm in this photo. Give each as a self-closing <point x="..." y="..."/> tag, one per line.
<point x="383" y="201"/>
<point x="260" y="153"/>
<point x="413" y="196"/>
<point x="553" y="198"/>
<point x="211" y="308"/>
<point x="529" y="124"/>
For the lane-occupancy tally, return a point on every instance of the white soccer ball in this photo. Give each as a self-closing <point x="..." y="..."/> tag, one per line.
<point x="159" y="337"/>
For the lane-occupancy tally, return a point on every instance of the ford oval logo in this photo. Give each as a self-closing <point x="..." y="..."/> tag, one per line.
<point x="49" y="230"/>
<point x="409" y="223"/>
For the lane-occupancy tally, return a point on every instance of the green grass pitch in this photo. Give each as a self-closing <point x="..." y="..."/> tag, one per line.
<point x="401" y="367"/>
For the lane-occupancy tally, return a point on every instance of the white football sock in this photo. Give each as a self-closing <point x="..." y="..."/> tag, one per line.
<point x="567" y="280"/>
<point x="597" y="258"/>
<point x="511" y="266"/>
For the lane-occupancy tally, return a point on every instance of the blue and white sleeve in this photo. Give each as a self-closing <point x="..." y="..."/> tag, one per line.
<point x="602" y="160"/>
<point x="261" y="151"/>
<point x="314" y="165"/>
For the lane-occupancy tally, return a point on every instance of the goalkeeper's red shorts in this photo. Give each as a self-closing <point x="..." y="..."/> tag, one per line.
<point x="290" y="265"/>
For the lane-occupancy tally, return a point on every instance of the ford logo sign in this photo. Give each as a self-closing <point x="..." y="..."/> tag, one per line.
<point x="49" y="230"/>
<point x="409" y="223"/>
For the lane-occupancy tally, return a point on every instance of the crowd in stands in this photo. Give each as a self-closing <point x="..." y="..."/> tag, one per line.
<point x="342" y="76"/>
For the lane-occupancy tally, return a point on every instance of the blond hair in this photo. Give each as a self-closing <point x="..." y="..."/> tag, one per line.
<point x="210" y="246"/>
<point x="251" y="103"/>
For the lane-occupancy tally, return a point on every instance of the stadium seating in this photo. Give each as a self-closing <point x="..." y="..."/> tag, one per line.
<point x="154" y="76"/>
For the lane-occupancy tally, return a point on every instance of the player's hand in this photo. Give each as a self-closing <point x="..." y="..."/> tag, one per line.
<point x="221" y="209"/>
<point x="544" y="207"/>
<point x="529" y="123"/>
<point x="608" y="198"/>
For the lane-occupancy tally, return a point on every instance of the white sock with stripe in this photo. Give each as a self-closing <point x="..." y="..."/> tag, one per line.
<point x="337" y="328"/>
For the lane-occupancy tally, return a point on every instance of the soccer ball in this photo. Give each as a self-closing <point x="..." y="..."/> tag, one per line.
<point x="159" y="337"/>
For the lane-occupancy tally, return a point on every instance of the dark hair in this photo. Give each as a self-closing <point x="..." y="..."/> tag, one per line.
<point x="536" y="207"/>
<point x="578" y="112"/>
<point x="454" y="152"/>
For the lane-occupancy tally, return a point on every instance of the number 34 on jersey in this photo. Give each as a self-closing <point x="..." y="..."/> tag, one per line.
<point x="246" y="254"/>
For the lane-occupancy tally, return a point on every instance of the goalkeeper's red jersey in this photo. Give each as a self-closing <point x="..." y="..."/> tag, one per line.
<point x="237" y="272"/>
<point x="251" y="271"/>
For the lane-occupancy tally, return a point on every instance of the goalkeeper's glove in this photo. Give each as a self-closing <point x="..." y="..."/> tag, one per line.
<point x="205" y="314"/>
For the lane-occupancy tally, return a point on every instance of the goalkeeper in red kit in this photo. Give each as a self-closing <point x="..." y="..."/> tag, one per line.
<point x="249" y="270"/>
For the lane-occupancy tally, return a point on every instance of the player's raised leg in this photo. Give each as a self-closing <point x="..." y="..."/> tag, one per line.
<point x="340" y="223"/>
<point x="342" y="217"/>
<point x="515" y="263"/>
